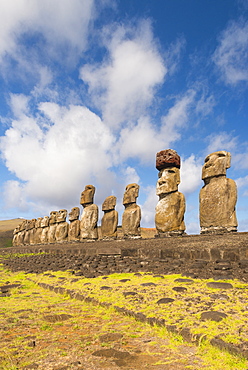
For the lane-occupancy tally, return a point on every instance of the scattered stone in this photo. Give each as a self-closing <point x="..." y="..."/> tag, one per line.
<point x="148" y="284"/>
<point x="55" y="318"/>
<point x="126" y="294"/>
<point x="219" y="285"/>
<point x="181" y="280"/>
<point x="110" y="337"/>
<point x="179" y="289"/>
<point x="104" y="287"/>
<point x="124" y="280"/>
<point x="213" y="315"/>
<point x="165" y="300"/>
<point x="111" y="352"/>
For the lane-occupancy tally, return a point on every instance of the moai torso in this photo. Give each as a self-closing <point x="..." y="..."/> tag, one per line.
<point x="62" y="226"/>
<point x="32" y="232"/>
<point x="26" y="239"/>
<point x="51" y="237"/>
<point x="45" y="229"/>
<point x="132" y="214"/>
<point x="110" y="218"/>
<point x="169" y="216"/>
<point x="218" y="196"/>
<point x="88" y="224"/>
<point x="170" y="213"/>
<point x="74" y="226"/>
<point x="38" y="231"/>
<point x="15" y="236"/>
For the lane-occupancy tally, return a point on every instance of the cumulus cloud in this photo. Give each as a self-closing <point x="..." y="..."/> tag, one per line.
<point x="123" y="85"/>
<point x="58" y="22"/>
<point x="231" y="55"/>
<point x="148" y="207"/>
<point x="57" y="153"/>
<point x="221" y="141"/>
<point x="190" y="175"/>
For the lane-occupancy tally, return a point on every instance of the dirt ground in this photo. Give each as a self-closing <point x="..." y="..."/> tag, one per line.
<point x="43" y="330"/>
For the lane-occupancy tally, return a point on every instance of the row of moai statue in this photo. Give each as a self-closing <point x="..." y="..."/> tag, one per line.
<point x="218" y="199"/>
<point x="55" y="229"/>
<point x="218" y="196"/>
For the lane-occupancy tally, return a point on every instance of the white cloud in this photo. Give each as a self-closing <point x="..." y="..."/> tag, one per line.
<point x="148" y="207"/>
<point x="131" y="175"/>
<point x="190" y="175"/>
<point x="221" y="141"/>
<point x="57" y="162"/>
<point x="177" y="117"/>
<point x="231" y="55"/>
<point x="123" y="85"/>
<point x="58" y="22"/>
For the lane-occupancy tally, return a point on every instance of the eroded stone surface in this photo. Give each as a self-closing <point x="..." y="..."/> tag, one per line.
<point x="110" y="219"/>
<point x="88" y="225"/>
<point x="132" y="214"/>
<point x="169" y="216"/>
<point x="167" y="158"/>
<point x="62" y="226"/>
<point x="74" y="227"/>
<point x="218" y="196"/>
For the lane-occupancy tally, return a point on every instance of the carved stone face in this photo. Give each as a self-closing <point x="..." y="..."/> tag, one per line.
<point x="38" y="222"/>
<point x="216" y="164"/>
<point x="169" y="179"/>
<point x="131" y="193"/>
<point x="44" y="221"/>
<point x="53" y="217"/>
<point x="109" y="203"/>
<point x="61" y="215"/>
<point x="87" y="195"/>
<point x="74" y="214"/>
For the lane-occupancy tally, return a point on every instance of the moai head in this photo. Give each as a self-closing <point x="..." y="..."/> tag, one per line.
<point x="131" y="193"/>
<point x="61" y="215"/>
<point x="38" y="222"/>
<point x="44" y="221"/>
<point x="109" y="203"/>
<point x="17" y="230"/>
<point x="33" y="223"/>
<point x="74" y="214"/>
<point x="87" y="195"/>
<point x="168" y="164"/>
<point x="216" y="164"/>
<point x="53" y="217"/>
<point x="168" y="181"/>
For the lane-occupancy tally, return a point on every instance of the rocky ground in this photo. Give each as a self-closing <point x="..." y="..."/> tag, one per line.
<point x="59" y="321"/>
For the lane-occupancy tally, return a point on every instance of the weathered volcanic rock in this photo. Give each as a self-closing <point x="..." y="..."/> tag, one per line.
<point x="167" y="158"/>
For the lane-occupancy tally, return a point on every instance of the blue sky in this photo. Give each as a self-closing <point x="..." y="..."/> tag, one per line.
<point x="91" y="90"/>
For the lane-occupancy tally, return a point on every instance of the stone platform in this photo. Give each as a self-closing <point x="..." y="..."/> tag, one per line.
<point x="204" y="256"/>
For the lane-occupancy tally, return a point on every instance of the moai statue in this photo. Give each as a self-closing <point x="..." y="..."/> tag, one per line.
<point x="132" y="214"/>
<point x="15" y="236"/>
<point x="218" y="196"/>
<point x="110" y="218"/>
<point x="88" y="224"/>
<point x="32" y="231"/>
<point x="38" y="231"/>
<point x="74" y="227"/>
<point x="62" y="226"/>
<point x="28" y="227"/>
<point x="21" y="233"/>
<point x="51" y="238"/>
<point x="45" y="228"/>
<point x="169" y="217"/>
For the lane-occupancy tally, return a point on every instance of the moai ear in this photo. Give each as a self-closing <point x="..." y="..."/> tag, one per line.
<point x="178" y="176"/>
<point x="228" y="159"/>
